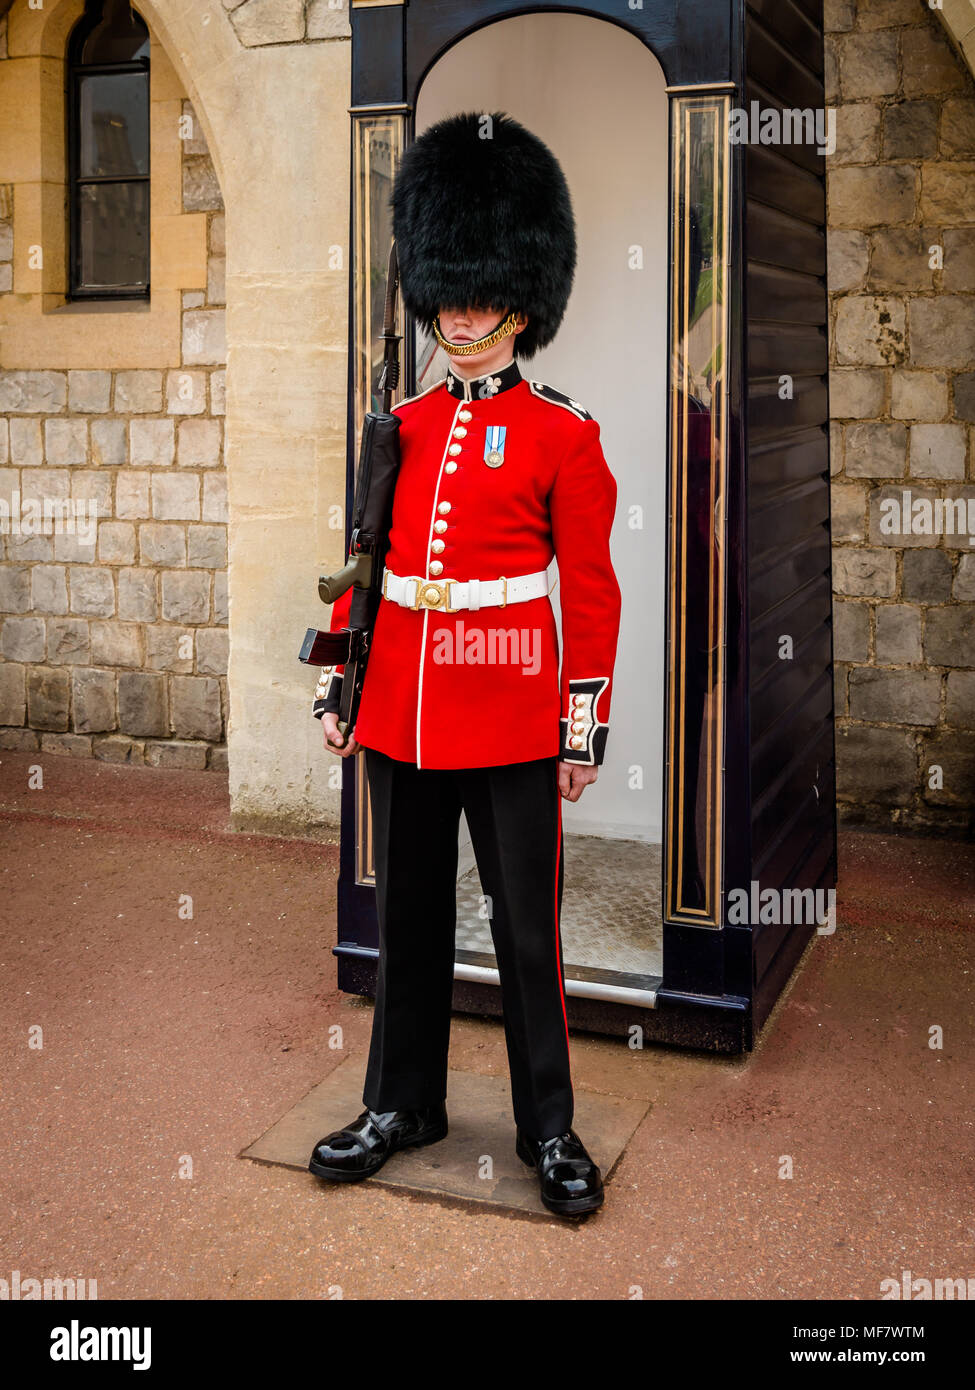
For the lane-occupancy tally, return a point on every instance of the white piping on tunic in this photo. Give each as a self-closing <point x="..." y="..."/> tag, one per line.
<point x="426" y="611"/>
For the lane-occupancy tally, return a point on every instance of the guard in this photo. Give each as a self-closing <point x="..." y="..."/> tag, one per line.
<point x="464" y="706"/>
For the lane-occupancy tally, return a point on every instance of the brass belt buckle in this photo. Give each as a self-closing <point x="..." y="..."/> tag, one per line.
<point x="431" y="594"/>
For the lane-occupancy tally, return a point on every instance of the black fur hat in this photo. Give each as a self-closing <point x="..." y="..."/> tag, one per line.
<point x="482" y="217"/>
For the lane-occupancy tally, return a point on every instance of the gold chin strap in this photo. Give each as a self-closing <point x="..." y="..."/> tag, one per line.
<point x="503" y="329"/>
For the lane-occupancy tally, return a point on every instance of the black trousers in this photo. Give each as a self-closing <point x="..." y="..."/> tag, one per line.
<point x="515" y="818"/>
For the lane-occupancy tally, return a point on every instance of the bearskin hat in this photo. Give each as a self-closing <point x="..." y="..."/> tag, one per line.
<point x="482" y="217"/>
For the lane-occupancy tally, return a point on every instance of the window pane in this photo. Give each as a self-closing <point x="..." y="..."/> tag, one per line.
<point x="114" y="241"/>
<point x="114" y="124"/>
<point x="120" y="37"/>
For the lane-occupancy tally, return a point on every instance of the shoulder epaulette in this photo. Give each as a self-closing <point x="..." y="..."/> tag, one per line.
<point x="549" y="393"/>
<point x="419" y="395"/>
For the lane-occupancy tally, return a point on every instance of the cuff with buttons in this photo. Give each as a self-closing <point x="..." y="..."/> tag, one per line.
<point x="328" y="692"/>
<point x="583" y="736"/>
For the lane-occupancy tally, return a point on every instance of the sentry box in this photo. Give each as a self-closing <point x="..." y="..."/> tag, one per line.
<point x="693" y="135"/>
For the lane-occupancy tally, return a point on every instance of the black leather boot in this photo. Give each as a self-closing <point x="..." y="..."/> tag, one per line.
<point x="570" y="1182"/>
<point x="361" y="1149"/>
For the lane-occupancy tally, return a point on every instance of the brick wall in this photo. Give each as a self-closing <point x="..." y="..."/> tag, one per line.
<point x="902" y="401"/>
<point x="118" y="650"/>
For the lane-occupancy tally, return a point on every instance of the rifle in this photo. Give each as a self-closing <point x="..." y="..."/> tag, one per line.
<point x="379" y="459"/>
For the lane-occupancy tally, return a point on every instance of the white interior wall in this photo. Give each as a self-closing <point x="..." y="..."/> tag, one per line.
<point x="596" y="96"/>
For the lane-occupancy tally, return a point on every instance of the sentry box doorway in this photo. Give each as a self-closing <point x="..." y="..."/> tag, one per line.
<point x="696" y="336"/>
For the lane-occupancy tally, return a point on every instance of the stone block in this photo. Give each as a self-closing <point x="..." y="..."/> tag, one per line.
<point x="93" y="487"/>
<point x="116" y="748"/>
<point x="901" y="259"/>
<point x="857" y="134"/>
<point x="201" y="188"/>
<point x="67" y="745"/>
<point x="847" y="259"/>
<point x="848" y="509"/>
<point x="176" y="497"/>
<point x="190" y="757"/>
<point x="164" y="643"/>
<point x="90" y="393"/>
<point x="220" y="598"/>
<point x="151" y="442"/>
<point x="959" y="259"/>
<point x="196" y="707"/>
<point x="875" y="765"/>
<point x="871" y="331"/>
<point x="942" y="331"/>
<point x="926" y="576"/>
<point x="218" y="393"/>
<point x="212" y="649"/>
<point x="116" y="644"/>
<point x="21" y="739"/>
<point x="186" y="392"/>
<point x="13" y="693"/>
<point x="964" y="579"/>
<point x="162" y="545"/>
<point x="960" y="704"/>
<point x="33" y="393"/>
<point x="204" y="337"/>
<point x="186" y="597"/>
<point x="269" y="21"/>
<point x="896" y="518"/>
<point x="92" y="591"/>
<point x="218" y="235"/>
<point x="68" y="642"/>
<point x="26" y="443"/>
<point x="48" y="695"/>
<point x="14" y="589"/>
<point x="23" y="639"/>
<point x="918" y="395"/>
<point x="911" y="130"/>
<point x="200" y="443"/>
<point x="132" y="495"/>
<point x="948" y="192"/>
<point x="327" y="20"/>
<point x="930" y="67"/>
<point x="218" y="761"/>
<point x="876" y="449"/>
<point x="898" y="634"/>
<point x="958" y="128"/>
<point x="138" y="392"/>
<point x="895" y="697"/>
<point x="195" y="142"/>
<point x="872" y="195"/>
<point x="851" y="631"/>
<point x="864" y="573"/>
<point x="49" y="589"/>
<point x="949" y="635"/>
<point x="142" y="709"/>
<point x="868" y="65"/>
<point x="938" y="451"/>
<point x="206" y="547"/>
<point x="108" y="443"/>
<point x="954" y="754"/>
<point x="92" y="701"/>
<point x="116" y="543"/>
<point x="217" y="280"/>
<point x="215" y="497"/>
<point x="856" y="393"/>
<point x="137" y="600"/>
<point x="65" y="442"/>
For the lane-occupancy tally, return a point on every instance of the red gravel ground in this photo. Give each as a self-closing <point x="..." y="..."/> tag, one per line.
<point x="170" y="1044"/>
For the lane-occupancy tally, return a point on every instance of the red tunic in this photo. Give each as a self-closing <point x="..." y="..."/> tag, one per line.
<point x="481" y="688"/>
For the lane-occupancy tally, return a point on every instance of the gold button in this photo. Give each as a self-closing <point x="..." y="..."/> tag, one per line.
<point x="443" y="508"/>
<point x="432" y="595"/>
<point x="578" y="728"/>
<point x="460" y="432"/>
<point x="450" y="467"/>
<point x="454" y="449"/>
<point x="465" y="415"/>
<point x="437" y="547"/>
<point x="436" y="567"/>
<point x="440" y="527"/>
<point x="577" y="742"/>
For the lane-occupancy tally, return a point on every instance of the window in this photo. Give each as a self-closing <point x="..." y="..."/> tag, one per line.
<point x="108" y="153"/>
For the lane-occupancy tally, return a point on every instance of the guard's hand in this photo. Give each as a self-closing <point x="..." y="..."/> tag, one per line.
<point x="574" y="778"/>
<point x="332" y="738"/>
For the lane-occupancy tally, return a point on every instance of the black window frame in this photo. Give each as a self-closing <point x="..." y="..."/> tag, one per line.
<point x="76" y="70"/>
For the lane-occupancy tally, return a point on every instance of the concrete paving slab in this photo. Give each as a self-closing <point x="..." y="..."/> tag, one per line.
<point x="477" y="1160"/>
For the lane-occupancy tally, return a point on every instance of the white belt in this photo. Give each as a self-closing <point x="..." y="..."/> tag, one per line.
<point x="448" y="595"/>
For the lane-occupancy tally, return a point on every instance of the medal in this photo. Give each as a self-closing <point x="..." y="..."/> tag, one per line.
<point x="494" y="445"/>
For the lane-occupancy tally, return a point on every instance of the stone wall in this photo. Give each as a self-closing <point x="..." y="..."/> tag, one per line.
<point x="117" y="648"/>
<point x="901" y="190"/>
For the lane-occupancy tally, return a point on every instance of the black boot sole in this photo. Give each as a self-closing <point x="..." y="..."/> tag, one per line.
<point x="579" y="1206"/>
<point x="426" y="1136"/>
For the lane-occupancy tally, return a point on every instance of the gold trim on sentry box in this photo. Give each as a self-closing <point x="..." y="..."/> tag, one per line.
<point x="684" y="108"/>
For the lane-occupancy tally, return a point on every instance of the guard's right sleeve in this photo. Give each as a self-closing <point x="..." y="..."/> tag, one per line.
<point x="328" y="692"/>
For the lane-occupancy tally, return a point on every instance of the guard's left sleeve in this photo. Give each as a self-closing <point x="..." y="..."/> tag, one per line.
<point x="582" y="505"/>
